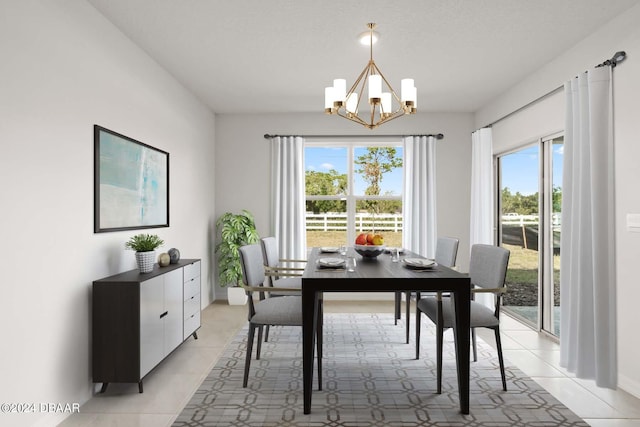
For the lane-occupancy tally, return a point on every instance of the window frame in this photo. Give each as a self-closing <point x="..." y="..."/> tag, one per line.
<point x="351" y="199"/>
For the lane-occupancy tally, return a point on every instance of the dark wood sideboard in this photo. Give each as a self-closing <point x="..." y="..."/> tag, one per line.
<point x="139" y="319"/>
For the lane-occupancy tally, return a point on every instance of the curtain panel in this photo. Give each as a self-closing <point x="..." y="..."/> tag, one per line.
<point x="419" y="195"/>
<point x="482" y="190"/>
<point x="587" y="277"/>
<point x="288" y="196"/>
<point x="482" y="218"/>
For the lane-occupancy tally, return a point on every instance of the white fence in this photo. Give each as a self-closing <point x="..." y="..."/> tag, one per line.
<point x="515" y="219"/>
<point x="336" y="221"/>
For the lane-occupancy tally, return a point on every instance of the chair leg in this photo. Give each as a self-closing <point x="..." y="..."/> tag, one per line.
<point x="259" y="346"/>
<point x="439" y="341"/>
<point x="473" y="341"/>
<point x="247" y="361"/>
<point x="397" y="307"/>
<point x="500" y="359"/>
<point x="408" y="314"/>
<point x="266" y="333"/>
<point x="417" y="331"/>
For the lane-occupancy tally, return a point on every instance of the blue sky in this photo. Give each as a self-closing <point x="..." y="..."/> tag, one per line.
<point x="323" y="159"/>
<point x="519" y="169"/>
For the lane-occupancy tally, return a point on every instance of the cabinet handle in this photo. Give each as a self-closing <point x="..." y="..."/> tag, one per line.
<point x="164" y="314"/>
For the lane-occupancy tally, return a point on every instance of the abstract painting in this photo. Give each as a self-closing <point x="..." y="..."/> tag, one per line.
<point x="131" y="183"/>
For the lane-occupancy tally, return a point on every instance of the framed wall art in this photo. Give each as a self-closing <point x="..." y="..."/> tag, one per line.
<point x="131" y="183"/>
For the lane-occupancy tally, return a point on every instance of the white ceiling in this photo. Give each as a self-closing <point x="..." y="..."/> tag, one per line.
<point x="263" y="56"/>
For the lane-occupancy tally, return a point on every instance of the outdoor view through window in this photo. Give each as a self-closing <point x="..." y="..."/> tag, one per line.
<point x="352" y="189"/>
<point x="530" y="201"/>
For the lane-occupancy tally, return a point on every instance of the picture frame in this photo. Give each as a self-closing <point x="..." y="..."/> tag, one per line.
<point x="131" y="183"/>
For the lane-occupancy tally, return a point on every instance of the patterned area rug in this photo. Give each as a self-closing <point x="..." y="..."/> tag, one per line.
<point x="370" y="379"/>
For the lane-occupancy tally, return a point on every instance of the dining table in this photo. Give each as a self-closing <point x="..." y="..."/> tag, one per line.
<point x="380" y="274"/>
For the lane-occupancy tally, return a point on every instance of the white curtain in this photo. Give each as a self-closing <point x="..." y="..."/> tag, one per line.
<point x="419" y="195"/>
<point x="482" y="191"/>
<point x="587" y="276"/>
<point x="288" y="201"/>
<point x="482" y="196"/>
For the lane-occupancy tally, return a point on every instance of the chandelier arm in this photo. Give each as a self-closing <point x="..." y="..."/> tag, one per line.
<point x="399" y="113"/>
<point x="352" y="117"/>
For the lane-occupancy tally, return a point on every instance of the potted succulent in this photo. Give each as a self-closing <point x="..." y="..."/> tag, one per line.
<point x="235" y="230"/>
<point x="145" y="246"/>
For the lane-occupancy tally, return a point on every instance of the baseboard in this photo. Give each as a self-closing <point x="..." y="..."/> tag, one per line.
<point x="630" y="386"/>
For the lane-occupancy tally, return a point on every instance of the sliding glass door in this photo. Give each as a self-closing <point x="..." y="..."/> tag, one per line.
<point x="530" y="194"/>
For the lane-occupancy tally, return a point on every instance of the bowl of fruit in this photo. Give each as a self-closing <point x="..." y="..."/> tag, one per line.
<point x="369" y="245"/>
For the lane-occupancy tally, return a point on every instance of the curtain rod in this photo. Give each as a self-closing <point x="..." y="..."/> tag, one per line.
<point x="617" y="57"/>
<point x="436" y="136"/>
<point x="535" y="101"/>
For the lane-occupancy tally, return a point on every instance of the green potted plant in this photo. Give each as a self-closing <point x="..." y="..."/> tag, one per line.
<point x="235" y="230"/>
<point x="145" y="246"/>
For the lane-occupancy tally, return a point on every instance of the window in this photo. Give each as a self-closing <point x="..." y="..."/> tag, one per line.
<point x="530" y="198"/>
<point x="353" y="188"/>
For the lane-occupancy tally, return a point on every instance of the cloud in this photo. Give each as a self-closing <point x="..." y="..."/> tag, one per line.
<point x="327" y="166"/>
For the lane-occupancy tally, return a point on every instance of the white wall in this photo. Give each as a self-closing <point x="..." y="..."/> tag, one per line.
<point x="64" y="69"/>
<point x="622" y="33"/>
<point x="242" y="163"/>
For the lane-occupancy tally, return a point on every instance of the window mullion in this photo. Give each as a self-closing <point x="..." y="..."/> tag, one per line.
<point x="351" y="203"/>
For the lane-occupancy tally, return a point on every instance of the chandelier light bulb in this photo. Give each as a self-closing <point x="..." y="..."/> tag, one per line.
<point x="375" y="88"/>
<point x="406" y="90"/>
<point x="352" y="103"/>
<point x="329" y="97"/>
<point x="339" y="90"/>
<point x="385" y="104"/>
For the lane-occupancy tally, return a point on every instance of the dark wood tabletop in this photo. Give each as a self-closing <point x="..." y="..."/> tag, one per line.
<point x="382" y="275"/>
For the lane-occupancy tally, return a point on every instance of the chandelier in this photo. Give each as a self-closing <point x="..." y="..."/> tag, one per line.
<point x="383" y="106"/>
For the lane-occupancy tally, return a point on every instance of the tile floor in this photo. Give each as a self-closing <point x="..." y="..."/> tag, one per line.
<point x="170" y="386"/>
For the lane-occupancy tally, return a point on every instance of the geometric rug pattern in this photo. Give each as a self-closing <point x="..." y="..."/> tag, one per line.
<point x="371" y="378"/>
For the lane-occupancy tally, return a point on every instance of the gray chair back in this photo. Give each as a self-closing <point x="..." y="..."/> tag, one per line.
<point x="252" y="265"/>
<point x="270" y="251"/>
<point x="488" y="266"/>
<point x="447" y="251"/>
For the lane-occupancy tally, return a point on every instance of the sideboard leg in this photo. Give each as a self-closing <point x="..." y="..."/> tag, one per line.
<point x="104" y="387"/>
<point x="195" y="334"/>
<point x="140" y="386"/>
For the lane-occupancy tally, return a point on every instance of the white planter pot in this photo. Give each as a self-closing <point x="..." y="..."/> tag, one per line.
<point x="236" y="295"/>
<point x="145" y="261"/>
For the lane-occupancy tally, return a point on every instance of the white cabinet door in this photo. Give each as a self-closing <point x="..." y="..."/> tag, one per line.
<point x="151" y="325"/>
<point x="173" y="305"/>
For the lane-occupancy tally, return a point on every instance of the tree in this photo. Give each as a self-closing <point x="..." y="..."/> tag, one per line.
<point x="556" y="197"/>
<point x="519" y="203"/>
<point x="329" y="183"/>
<point x="372" y="166"/>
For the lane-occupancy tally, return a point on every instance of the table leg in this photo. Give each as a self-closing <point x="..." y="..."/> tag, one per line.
<point x="309" y="326"/>
<point x="319" y="338"/>
<point x="462" y="305"/>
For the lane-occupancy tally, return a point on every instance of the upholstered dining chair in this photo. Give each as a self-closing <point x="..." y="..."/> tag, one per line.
<point x="280" y="311"/>
<point x="487" y="271"/>
<point x="281" y="273"/>
<point x="446" y="254"/>
<point x="278" y="270"/>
